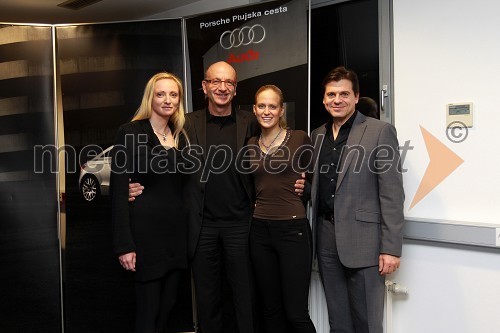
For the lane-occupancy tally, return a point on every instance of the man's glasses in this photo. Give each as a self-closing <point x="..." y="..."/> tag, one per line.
<point x="217" y="82"/>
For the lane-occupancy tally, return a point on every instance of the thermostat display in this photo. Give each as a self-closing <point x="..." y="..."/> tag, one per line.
<point x="455" y="110"/>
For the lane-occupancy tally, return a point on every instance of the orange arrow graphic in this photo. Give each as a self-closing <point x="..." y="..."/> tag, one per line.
<point x="442" y="163"/>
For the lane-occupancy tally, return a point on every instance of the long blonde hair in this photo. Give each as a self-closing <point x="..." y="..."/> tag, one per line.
<point x="145" y="111"/>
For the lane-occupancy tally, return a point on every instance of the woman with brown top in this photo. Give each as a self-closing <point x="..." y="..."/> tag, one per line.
<point x="280" y="236"/>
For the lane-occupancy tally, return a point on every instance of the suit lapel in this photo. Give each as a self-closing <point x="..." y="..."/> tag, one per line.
<point x="200" y="129"/>
<point x="354" y="139"/>
<point x="241" y="130"/>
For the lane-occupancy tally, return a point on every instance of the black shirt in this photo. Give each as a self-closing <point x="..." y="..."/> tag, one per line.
<point x="225" y="197"/>
<point x="329" y="160"/>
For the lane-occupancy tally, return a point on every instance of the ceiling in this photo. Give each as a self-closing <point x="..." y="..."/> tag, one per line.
<point x="47" y="11"/>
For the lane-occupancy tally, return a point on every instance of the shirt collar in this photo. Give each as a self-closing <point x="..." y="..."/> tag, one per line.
<point x="350" y="121"/>
<point x="347" y="124"/>
<point x="210" y="117"/>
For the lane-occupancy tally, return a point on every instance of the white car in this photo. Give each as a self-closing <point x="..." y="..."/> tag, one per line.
<point x="95" y="175"/>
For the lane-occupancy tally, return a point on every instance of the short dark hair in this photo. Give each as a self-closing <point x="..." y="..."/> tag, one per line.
<point x="341" y="73"/>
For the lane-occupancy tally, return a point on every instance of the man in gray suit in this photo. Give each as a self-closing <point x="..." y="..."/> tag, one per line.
<point x="357" y="207"/>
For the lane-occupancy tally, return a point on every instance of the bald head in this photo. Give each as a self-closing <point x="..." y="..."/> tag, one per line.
<point x="221" y="68"/>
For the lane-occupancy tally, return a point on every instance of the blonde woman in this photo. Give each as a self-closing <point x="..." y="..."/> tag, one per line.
<point x="150" y="233"/>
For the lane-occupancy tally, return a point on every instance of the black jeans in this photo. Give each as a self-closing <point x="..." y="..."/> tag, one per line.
<point x="281" y="254"/>
<point x="218" y="246"/>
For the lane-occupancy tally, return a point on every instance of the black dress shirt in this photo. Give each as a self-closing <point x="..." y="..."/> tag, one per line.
<point x="329" y="160"/>
<point x="225" y="197"/>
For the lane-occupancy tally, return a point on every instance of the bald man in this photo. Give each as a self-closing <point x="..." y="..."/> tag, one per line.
<point x="221" y="202"/>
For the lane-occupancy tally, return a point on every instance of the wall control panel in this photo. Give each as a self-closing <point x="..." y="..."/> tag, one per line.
<point x="457" y="113"/>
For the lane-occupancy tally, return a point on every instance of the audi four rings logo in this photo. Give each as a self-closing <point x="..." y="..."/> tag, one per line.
<point x="243" y="36"/>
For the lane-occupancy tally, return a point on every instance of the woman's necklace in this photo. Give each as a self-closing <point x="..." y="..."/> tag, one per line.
<point x="270" y="145"/>
<point x="164" y="135"/>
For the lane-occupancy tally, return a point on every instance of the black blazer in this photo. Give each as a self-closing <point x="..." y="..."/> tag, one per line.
<point x="154" y="225"/>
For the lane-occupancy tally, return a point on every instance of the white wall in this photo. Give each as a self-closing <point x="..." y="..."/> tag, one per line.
<point x="453" y="289"/>
<point x="444" y="52"/>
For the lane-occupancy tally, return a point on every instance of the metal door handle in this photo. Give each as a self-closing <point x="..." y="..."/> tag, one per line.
<point x="383" y="95"/>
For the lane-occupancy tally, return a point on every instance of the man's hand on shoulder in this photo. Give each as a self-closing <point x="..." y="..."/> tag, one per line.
<point x="300" y="184"/>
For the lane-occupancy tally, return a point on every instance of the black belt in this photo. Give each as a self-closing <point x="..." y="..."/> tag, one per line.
<point x="329" y="217"/>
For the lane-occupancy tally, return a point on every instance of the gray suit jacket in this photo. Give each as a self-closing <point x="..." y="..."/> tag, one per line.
<point x="368" y="203"/>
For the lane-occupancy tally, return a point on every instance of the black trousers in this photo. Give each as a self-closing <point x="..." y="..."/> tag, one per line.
<point x="281" y="253"/>
<point x="218" y="246"/>
<point x="154" y="302"/>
